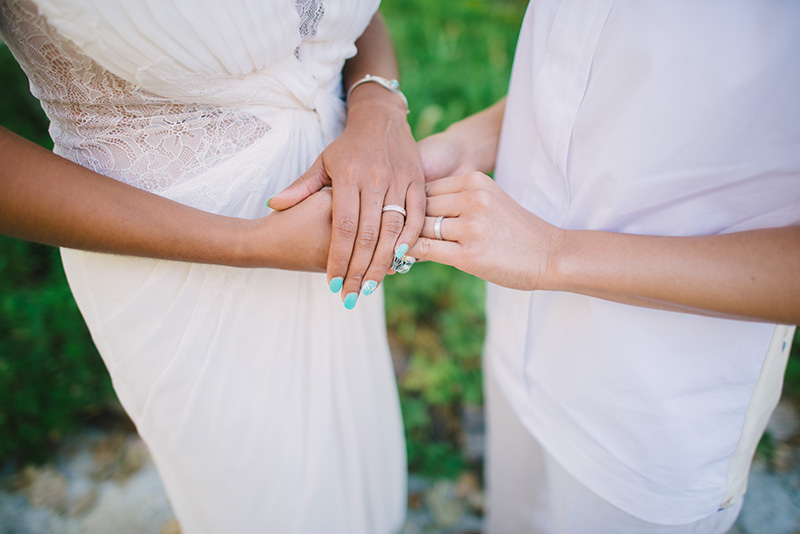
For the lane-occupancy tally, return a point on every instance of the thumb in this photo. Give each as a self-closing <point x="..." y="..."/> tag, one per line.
<point x="311" y="181"/>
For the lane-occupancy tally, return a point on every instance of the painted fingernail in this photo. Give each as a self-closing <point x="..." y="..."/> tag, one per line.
<point x="336" y="284"/>
<point x="401" y="250"/>
<point x="350" y="300"/>
<point x="369" y="287"/>
<point x="270" y="198"/>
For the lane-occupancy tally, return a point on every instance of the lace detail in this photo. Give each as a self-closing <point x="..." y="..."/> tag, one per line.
<point x="102" y="122"/>
<point x="310" y="12"/>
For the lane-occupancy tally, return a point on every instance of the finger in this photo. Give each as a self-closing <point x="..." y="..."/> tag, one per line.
<point x="345" y="212"/>
<point x="449" y="229"/>
<point x="392" y="224"/>
<point x="456" y="184"/>
<point x="450" y="205"/>
<point x="369" y="227"/>
<point x="415" y="206"/>
<point x="446" y="252"/>
<point x="311" y="181"/>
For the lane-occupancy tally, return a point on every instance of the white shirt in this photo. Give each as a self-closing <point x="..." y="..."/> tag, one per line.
<point x="661" y="118"/>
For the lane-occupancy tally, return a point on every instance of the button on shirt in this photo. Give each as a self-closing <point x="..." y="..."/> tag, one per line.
<point x="677" y="118"/>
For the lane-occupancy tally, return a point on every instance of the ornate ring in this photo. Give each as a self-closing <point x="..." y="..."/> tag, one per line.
<point x="403" y="264"/>
<point x="437" y="228"/>
<point x="394" y="207"/>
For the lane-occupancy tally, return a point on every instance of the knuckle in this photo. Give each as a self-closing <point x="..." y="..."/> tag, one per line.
<point x="481" y="198"/>
<point x="376" y="183"/>
<point x="475" y="178"/>
<point x="393" y="226"/>
<point x="368" y="237"/>
<point x="423" y="247"/>
<point x="356" y="278"/>
<point x="346" y="228"/>
<point x="381" y="263"/>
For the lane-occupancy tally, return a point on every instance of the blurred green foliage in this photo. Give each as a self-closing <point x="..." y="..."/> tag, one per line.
<point x="455" y="59"/>
<point x="51" y="377"/>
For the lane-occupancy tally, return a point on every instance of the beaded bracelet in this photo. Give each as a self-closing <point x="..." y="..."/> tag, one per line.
<point x="391" y="85"/>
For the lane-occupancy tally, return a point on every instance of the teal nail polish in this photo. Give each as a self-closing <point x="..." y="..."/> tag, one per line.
<point x="401" y="250"/>
<point x="350" y="300"/>
<point x="369" y="287"/>
<point x="270" y="198"/>
<point x="336" y="284"/>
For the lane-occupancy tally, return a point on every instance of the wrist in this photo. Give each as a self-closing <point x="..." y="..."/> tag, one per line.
<point x="245" y="241"/>
<point x="555" y="272"/>
<point x="374" y="94"/>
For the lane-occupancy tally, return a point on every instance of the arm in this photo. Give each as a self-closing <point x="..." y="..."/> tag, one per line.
<point x="51" y="200"/>
<point x="745" y="275"/>
<point x="751" y="274"/>
<point x="373" y="163"/>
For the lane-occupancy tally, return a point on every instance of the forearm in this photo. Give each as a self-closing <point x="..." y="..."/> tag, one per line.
<point x="51" y="200"/>
<point x="746" y="275"/>
<point x="375" y="54"/>
<point x="375" y="57"/>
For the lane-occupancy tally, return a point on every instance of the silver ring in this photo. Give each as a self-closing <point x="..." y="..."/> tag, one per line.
<point x="437" y="228"/>
<point x="403" y="264"/>
<point x="394" y="207"/>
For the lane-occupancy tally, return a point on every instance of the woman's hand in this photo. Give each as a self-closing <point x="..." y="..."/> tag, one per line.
<point x="468" y="145"/>
<point x="295" y="239"/>
<point x="486" y="233"/>
<point x="743" y="275"/>
<point x="372" y="164"/>
<point x="442" y="155"/>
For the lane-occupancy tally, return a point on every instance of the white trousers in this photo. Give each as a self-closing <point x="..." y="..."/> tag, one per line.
<point x="528" y="492"/>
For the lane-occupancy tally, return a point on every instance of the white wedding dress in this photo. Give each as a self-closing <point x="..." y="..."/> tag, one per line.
<point x="267" y="406"/>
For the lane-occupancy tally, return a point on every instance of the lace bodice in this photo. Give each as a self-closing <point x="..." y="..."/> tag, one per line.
<point x="154" y="97"/>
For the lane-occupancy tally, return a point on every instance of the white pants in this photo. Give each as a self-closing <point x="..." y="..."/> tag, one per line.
<point x="528" y="492"/>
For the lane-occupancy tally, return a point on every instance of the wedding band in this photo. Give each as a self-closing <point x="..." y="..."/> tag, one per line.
<point x="403" y="264"/>
<point x="394" y="207"/>
<point x="437" y="228"/>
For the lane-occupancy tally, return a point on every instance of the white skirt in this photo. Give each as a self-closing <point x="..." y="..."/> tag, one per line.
<point x="267" y="406"/>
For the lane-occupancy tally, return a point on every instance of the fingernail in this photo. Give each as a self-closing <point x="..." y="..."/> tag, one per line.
<point x="401" y="250"/>
<point x="336" y="284"/>
<point x="350" y="300"/>
<point x="369" y="287"/>
<point x="270" y="198"/>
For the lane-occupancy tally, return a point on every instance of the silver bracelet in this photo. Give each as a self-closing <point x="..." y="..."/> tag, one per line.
<point x="391" y="85"/>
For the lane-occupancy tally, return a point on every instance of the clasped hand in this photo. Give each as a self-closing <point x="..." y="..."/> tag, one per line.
<point x="483" y="231"/>
<point x="373" y="163"/>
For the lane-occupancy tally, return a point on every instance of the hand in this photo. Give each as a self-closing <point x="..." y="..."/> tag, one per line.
<point x="297" y="238"/>
<point x="442" y="155"/>
<point x="486" y="233"/>
<point x="467" y="145"/>
<point x="373" y="163"/>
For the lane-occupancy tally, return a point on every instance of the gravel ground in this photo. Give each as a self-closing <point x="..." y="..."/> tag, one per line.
<point x="104" y="483"/>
